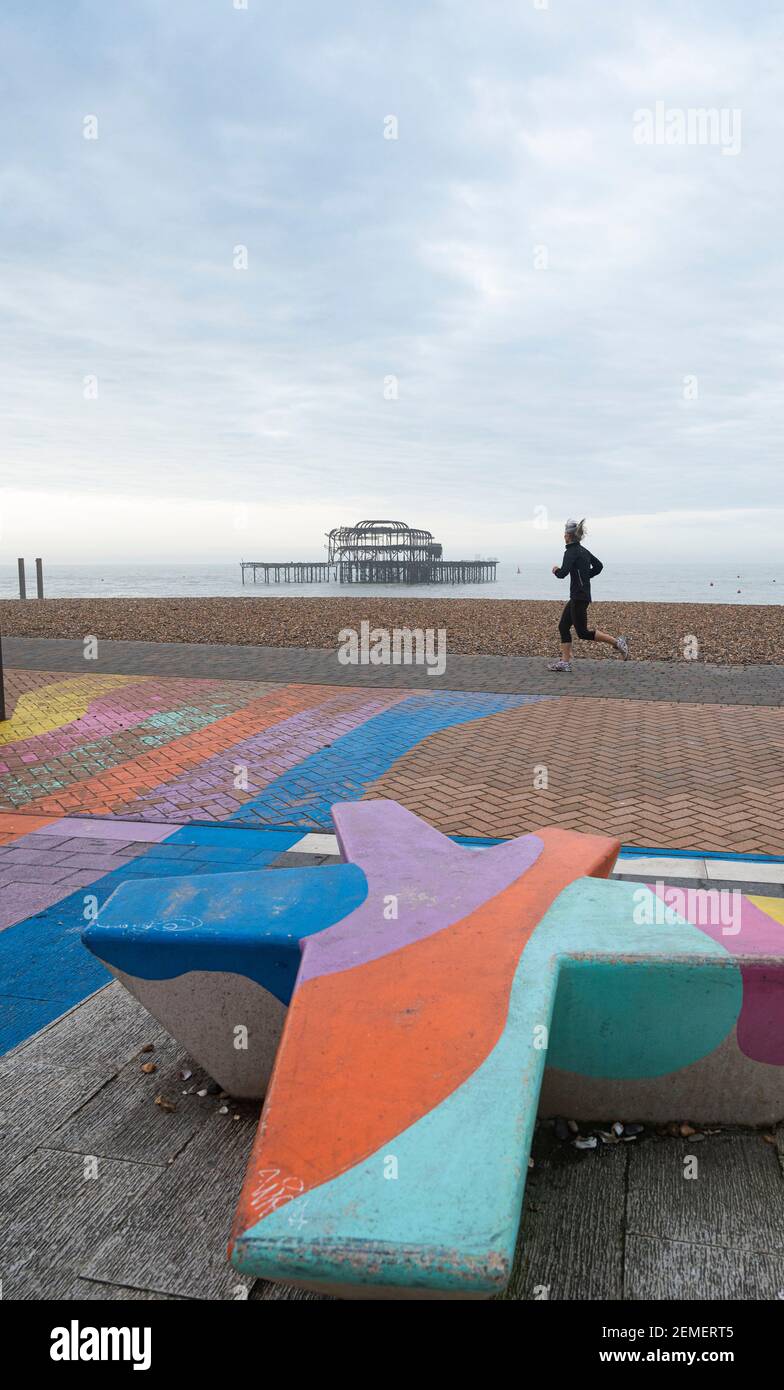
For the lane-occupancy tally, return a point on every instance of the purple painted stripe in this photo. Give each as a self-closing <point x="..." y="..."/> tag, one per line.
<point x="21" y="900"/>
<point x="95" y="829"/>
<point x="267" y="754"/>
<point x="430" y="881"/>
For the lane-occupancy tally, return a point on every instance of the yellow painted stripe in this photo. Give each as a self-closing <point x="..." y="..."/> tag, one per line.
<point x="774" y="907"/>
<point x="51" y="707"/>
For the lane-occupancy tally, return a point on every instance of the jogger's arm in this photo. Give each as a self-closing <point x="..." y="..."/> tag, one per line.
<point x="568" y="561"/>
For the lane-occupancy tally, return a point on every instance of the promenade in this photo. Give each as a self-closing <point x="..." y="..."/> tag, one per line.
<point x="162" y="759"/>
<point x="680" y="756"/>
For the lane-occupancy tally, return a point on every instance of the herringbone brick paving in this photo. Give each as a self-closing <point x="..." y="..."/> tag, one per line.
<point x="681" y="776"/>
<point x="659" y="773"/>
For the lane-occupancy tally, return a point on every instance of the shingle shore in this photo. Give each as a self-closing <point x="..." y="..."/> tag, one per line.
<point x="727" y="634"/>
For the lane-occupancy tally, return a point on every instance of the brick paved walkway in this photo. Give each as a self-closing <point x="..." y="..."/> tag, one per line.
<point x="652" y="773"/>
<point x="692" y="681"/>
<point x="656" y="773"/>
<point x="101" y="778"/>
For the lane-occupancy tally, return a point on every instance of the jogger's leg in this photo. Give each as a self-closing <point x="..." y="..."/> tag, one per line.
<point x="565" y="632"/>
<point x="621" y="644"/>
<point x="579" y="616"/>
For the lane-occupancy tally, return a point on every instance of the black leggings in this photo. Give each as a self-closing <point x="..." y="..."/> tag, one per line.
<point x="576" y="613"/>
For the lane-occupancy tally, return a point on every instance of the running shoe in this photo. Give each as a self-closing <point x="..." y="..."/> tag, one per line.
<point x="559" y="666"/>
<point x="622" y="646"/>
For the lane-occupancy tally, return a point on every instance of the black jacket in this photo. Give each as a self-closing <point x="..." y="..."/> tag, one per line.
<point x="581" y="565"/>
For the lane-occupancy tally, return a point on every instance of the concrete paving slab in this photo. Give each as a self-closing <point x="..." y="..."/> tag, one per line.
<point x="571" y="1236"/>
<point x="654" y="867"/>
<point x="681" y="1270"/>
<point x="748" y="871"/>
<point x="124" y="1121"/>
<point x="175" y="1241"/>
<point x="55" y="1212"/>
<point x="735" y="1198"/>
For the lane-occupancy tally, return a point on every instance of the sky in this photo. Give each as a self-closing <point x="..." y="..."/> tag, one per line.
<point x="268" y="269"/>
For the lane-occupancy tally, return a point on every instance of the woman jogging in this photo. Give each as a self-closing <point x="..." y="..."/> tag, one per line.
<point x="581" y="566"/>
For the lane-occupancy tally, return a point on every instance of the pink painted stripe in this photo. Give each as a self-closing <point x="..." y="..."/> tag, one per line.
<point x="759" y="935"/>
<point x="107" y="714"/>
<point x="760" y="1026"/>
<point x="103" y="718"/>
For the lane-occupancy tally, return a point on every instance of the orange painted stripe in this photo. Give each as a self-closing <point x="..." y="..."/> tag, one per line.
<point x="111" y="786"/>
<point x="15" y="824"/>
<point x="368" y="1051"/>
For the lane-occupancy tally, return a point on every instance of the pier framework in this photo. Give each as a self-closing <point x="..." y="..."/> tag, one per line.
<point x="369" y="572"/>
<point x="375" y="552"/>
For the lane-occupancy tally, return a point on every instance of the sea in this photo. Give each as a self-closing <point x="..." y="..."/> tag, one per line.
<point x="670" y="583"/>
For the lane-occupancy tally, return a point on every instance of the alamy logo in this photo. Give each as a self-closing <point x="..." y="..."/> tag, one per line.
<point x="705" y="907"/>
<point x="77" y="1343"/>
<point x="402" y="646"/>
<point x="689" y="125"/>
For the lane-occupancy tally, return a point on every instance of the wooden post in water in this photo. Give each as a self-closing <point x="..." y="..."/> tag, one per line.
<point x="22" y="585"/>
<point x="39" y="577"/>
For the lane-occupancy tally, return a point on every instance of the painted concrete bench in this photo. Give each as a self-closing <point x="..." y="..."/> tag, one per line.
<point x="214" y="958"/>
<point x="442" y="995"/>
<point x="392" y="1151"/>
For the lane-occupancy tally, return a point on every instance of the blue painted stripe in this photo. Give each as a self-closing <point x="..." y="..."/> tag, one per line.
<point x="250" y="840"/>
<point x="637" y="851"/>
<point x="241" y="923"/>
<point x="348" y="767"/>
<point x="44" y="968"/>
<point x="477" y="841"/>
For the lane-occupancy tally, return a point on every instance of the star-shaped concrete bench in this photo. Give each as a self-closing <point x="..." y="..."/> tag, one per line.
<point x="392" y="1152"/>
<point x="435" y="985"/>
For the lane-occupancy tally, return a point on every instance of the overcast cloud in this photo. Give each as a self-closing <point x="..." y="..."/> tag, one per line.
<point x="245" y="410"/>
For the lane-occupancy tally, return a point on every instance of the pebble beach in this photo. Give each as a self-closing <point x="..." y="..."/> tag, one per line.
<point x="726" y="634"/>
